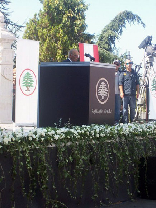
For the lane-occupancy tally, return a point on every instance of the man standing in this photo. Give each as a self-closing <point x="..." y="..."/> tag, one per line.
<point x="117" y="92"/>
<point x="73" y="56"/>
<point x="129" y="85"/>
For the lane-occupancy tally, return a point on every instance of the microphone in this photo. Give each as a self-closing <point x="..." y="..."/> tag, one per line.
<point x="91" y="57"/>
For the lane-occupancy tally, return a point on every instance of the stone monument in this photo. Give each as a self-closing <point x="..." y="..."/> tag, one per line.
<point x="6" y="72"/>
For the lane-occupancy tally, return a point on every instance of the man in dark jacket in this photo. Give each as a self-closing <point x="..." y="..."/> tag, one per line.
<point x="73" y="56"/>
<point x="129" y="86"/>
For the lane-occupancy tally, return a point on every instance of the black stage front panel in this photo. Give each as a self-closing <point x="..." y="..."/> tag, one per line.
<point x="63" y="94"/>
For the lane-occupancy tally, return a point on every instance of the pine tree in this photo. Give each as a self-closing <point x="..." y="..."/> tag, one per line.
<point x="10" y="25"/>
<point x="27" y="81"/>
<point x="153" y="84"/>
<point x="112" y="32"/>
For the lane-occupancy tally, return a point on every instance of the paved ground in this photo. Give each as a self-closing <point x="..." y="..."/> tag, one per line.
<point x="138" y="203"/>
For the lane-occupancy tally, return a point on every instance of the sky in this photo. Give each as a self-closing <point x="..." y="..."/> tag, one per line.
<point x="99" y="14"/>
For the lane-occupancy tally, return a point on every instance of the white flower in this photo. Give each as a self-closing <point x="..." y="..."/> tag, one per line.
<point x="6" y="140"/>
<point x="56" y="137"/>
<point x="59" y="131"/>
<point x="19" y="134"/>
<point x="51" y="132"/>
<point x="30" y="138"/>
<point x="44" y="130"/>
<point x="43" y="134"/>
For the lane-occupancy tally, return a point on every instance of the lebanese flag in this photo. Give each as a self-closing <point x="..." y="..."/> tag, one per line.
<point x="91" y="49"/>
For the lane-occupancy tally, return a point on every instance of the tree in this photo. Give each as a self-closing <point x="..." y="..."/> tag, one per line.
<point x="27" y="81"/>
<point x="153" y="86"/>
<point x="59" y="27"/>
<point x="112" y="32"/>
<point x="10" y="25"/>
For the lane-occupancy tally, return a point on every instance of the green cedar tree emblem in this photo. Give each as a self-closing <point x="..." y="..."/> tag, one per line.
<point x="27" y="81"/>
<point x="153" y="85"/>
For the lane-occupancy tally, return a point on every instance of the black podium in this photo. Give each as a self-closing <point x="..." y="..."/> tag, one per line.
<point x="76" y="92"/>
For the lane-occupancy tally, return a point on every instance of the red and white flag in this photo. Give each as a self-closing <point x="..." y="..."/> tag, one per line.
<point x="90" y="49"/>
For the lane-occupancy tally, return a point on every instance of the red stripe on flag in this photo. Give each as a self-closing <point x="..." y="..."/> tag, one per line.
<point x="96" y="53"/>
<point x="81" y="49"/>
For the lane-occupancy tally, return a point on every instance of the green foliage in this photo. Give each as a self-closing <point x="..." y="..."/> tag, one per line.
<point x="27" y="81"/>
<point x="13" y="27"/>
<point x="106" y="56"/>
<point x="109" y="155"/>
<point x="113" y="31"/>
<point x="59" y="27"/>
<point x="3" y="5"/>
<point x="153" y="85"/>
